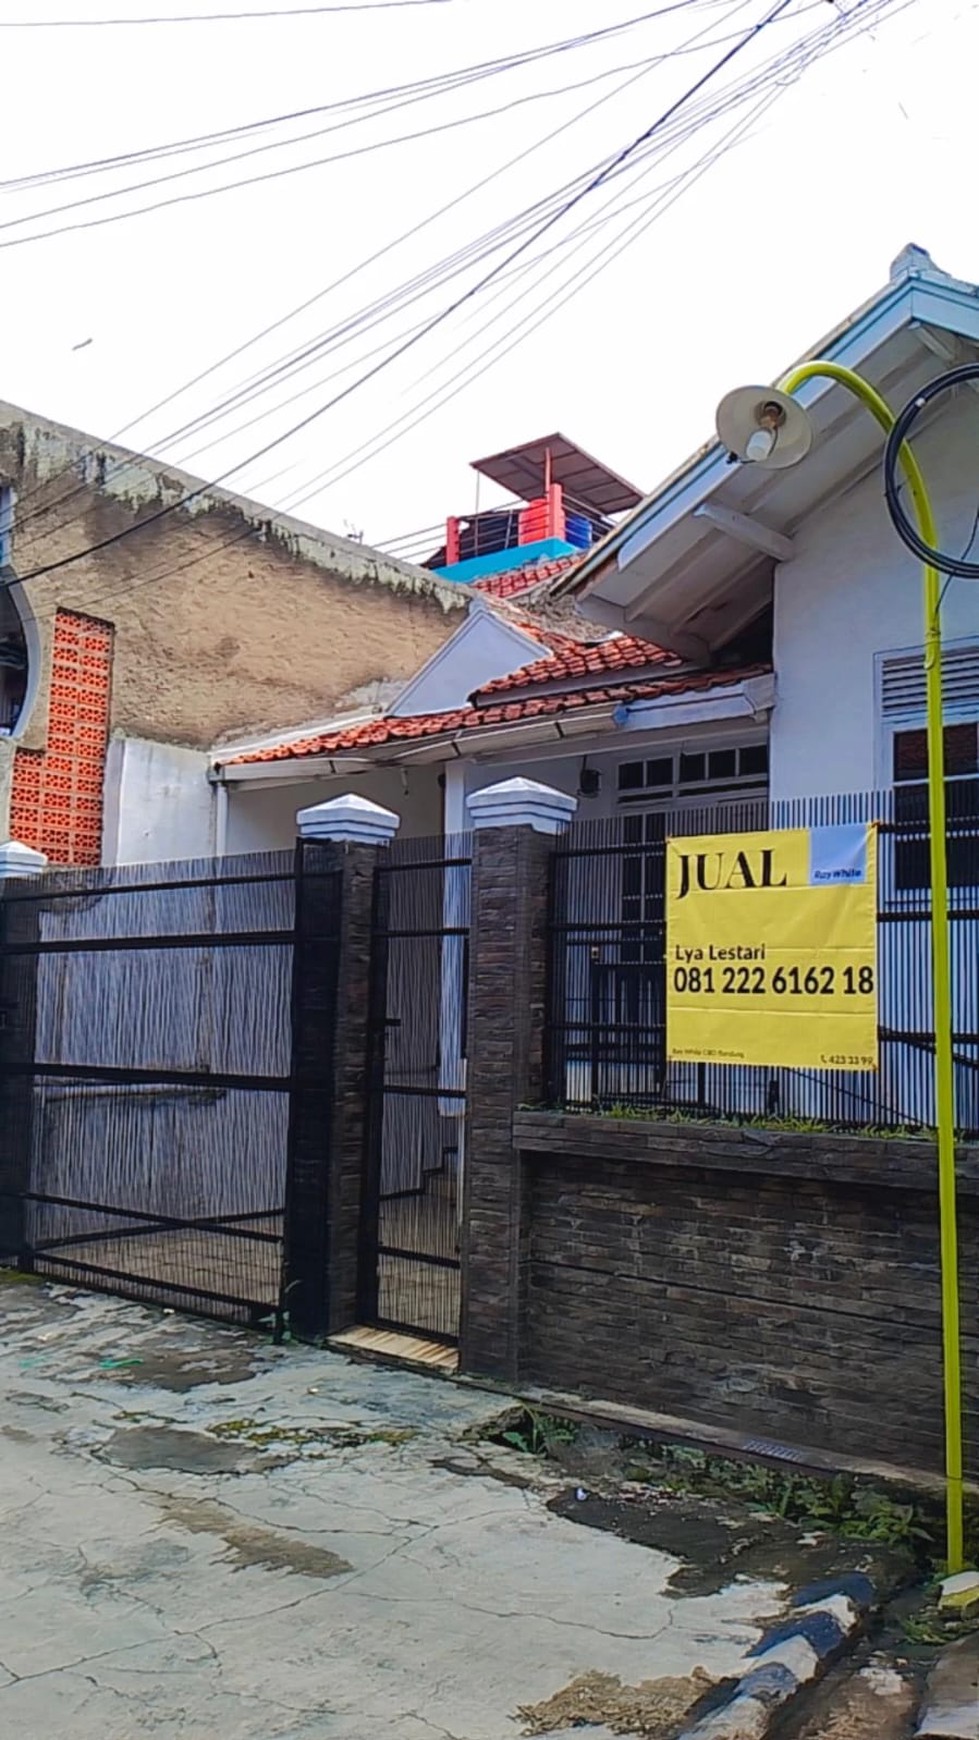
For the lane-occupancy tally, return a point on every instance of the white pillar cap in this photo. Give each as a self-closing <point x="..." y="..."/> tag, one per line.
<point x="350" y="818"/>
<point x="17" y="861"/>
<point x="522" y="803"/>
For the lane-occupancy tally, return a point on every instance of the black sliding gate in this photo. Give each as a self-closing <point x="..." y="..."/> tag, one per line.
<point x="409" y="1271"/>
<point x="145" y="1066"/>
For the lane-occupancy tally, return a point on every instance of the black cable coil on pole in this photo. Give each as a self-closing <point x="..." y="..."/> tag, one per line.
<point x="906" y="530"/>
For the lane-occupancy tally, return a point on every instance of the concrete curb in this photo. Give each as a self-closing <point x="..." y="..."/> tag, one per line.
<point x="826" y="1618"/>
<point x="951" y="1703"/>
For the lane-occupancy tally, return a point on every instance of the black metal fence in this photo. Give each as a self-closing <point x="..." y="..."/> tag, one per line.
<point x="148" y="1088"/>
<point x="417" y="1093"/>
<point x="606" y="1015"/>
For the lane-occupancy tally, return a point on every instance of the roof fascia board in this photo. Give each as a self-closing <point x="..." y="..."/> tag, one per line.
<point x="752" y="698"/>
<point x="884" y="320"/>
<point x="951" y="307"/>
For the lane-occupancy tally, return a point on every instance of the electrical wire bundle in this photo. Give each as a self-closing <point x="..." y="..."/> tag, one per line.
<point x="578" y="229"/>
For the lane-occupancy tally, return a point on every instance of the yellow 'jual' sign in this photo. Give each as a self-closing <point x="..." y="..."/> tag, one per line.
<point x="772" y="948"/>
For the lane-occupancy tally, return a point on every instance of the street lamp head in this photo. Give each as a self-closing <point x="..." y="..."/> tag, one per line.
<point x="763" y="426"/>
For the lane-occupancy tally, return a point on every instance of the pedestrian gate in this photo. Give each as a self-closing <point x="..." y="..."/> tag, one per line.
<point x="409" y="1269"/>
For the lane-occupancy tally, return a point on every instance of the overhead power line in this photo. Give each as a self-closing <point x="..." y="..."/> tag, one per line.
<point x="444" y="314"/>
<point x="276" y="12"/>
<point x="301" y="358"/>
<point x="694" y="116"/>
<point x="795" y="59"/>
<point x="386" y="144"/>
<point x="413" y="290"/>
<point x="435" y="85"/>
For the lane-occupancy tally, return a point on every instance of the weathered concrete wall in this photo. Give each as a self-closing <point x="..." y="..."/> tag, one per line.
<point x="226" y="619"/>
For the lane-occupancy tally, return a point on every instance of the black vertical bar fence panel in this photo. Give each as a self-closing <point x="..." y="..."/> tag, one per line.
<point x="410" y="1266"/>
<point x="145" y="1072"/>
<point x="606" y="1011"/>
<point x="18" y="979"/>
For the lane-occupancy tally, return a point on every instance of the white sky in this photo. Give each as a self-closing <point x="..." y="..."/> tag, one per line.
<point x="873" y="148"/>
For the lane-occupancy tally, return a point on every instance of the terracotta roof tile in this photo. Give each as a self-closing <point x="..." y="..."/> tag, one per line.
<point x="619" y="653"/>
<point x="516" y="580"/>
<point x="374" y="733"/>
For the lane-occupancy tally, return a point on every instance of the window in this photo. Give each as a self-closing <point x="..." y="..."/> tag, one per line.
<point x="694" y="773"/>
<point x="910" y="775"/>
<point x="643" y="888"/>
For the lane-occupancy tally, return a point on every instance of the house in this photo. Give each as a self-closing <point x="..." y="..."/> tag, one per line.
<point x="145" y="615"/>
<point x="755" y="635"/>
<point x="743" y="631"/>
<point x="525" y="684"/>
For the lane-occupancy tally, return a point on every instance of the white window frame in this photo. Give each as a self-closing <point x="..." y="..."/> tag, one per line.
<point x="912" y="718"/>
<point x="915" y="718"/>
<point x="646" y="800"/>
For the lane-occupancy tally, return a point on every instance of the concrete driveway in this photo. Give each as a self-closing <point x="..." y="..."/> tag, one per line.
<point x="206" y="1536"/>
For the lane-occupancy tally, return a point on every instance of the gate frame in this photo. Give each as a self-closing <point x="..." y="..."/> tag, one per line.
<point x="18" y="982"/>
<point x="370" y="1249"/>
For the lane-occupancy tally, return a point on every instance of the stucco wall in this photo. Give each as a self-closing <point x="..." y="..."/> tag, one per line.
<point x="853" y="591"/>
<point x="262" y="818"/>
<point x="158" y="803"/>
<point x="221" y="627"/>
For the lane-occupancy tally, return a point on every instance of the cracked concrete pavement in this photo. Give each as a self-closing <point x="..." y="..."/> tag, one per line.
<point x="204" y="1535"/>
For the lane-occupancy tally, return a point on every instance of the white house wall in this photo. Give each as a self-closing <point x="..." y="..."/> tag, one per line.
<point x="159" y="806"/>
<point x="851" y="592"/>
<point x="263" y="818"/>
<point x="561" y="766"/>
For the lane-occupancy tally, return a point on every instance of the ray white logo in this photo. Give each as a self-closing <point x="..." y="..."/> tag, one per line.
<point x="838" y="856"/>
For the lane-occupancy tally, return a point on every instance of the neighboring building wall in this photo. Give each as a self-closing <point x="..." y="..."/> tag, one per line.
<point x="853" y="591"/>
<point x="159" y="806"/>
<point x="56" y="793"/>
<point x="225" y="620"/>
<point x="264" y="818"/>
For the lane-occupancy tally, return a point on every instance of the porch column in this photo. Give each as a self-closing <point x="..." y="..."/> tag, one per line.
<point x="336" y="853"/>
<point x="515" y="824"/>
<point x="20" y="867"/>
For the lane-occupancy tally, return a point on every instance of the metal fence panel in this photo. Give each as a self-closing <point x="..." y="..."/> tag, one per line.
<point x="160" y="1078"/>
<point x="606" y="1015"/>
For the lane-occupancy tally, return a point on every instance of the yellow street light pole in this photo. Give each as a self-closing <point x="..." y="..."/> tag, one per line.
<point x="940" y="959"/>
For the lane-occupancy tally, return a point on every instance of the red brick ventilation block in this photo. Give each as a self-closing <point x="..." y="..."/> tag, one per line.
<point x="56" y="795"/>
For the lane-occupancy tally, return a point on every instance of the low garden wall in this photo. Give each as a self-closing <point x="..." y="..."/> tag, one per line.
<point x="779" y="1283"/>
